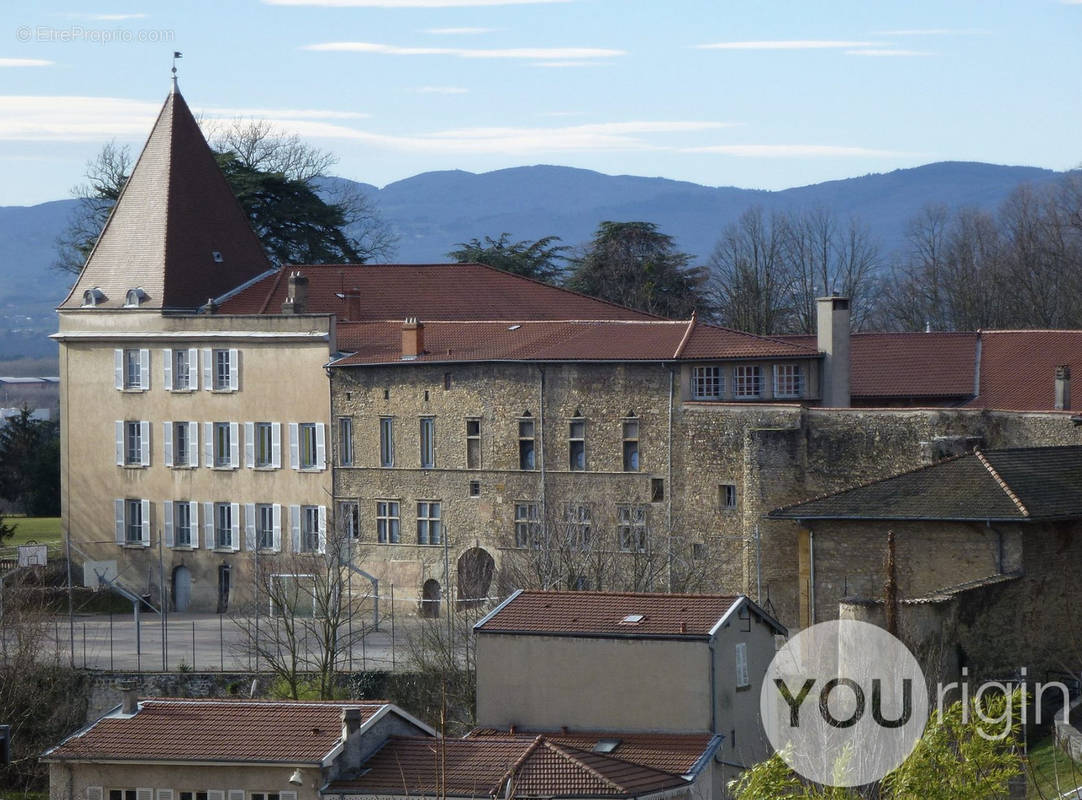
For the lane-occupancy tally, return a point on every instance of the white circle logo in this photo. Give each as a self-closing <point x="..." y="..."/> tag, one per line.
<point x="844" y="702"/>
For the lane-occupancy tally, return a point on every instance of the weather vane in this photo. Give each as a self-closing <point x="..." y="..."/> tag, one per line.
<point x="176" y="54"/>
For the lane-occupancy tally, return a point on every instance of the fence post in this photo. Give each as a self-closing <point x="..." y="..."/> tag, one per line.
<point x="392" y="629"/>
<point x="111" y="667"/>
<point x="194" y="668"/>
<point x="221" y="643"/>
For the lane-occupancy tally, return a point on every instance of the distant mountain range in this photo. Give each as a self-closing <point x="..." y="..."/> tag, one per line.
<point x="434" y="211"/>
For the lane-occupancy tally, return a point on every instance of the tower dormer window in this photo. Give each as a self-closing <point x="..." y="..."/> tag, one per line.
<point x="134" y="298"/>
<point x="93" y="297"/>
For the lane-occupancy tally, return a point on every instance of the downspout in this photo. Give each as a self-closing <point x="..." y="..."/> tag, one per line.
<point x="668" y="477"/>
<point x="541" y="441"/>
<point x="811" y="574"/>
<point x="713" y="684"/>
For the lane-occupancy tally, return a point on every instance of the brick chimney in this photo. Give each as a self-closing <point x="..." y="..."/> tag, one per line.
<point x="1063" y="388"/>
<point x="296" y="295"/>
<point x="353" y="305"/>
<point x="413" y="339"/>
<point x="832" y="325"/>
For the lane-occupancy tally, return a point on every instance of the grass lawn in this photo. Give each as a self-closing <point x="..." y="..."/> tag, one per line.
<point x="1044" y="761"/>
<point x="44" y="530"/>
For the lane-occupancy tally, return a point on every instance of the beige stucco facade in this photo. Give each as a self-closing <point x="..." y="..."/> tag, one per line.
<point x="279" y="378"/>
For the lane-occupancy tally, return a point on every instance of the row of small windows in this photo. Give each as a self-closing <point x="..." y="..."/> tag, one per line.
<point x="222" y="525"/>
<point x="747" y="382"/>
<point x="180" y="369"/>
<point x="97" y="792"/>
<point x="221" y="444"/>
<point x="133" y="298"/>
<point x="527" y="443"/>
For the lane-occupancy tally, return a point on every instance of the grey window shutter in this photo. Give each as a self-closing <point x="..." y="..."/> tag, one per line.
<point x="193" y="522"/>
<point x="295" y="528"/>
<point x="249" y="444"/>
<point x="193" y="369"/>
<point x="145" y="505"/>
<point x="144" y="369"/>
<point x="276" y="445"/>
<point x="208" y="525"/>
<point x="234" y="369"/>
<point x="208" y="369"/>
<point x="234" y="445"/>
<point x="144" y="443"/>
<point x="118" y="368"/>
<point x="294" y="446"/>
<point x="249" y="526"/>
<point x="192" y="456"/>
<point x="167" y="369"/>
<point x="120" y="443"/>
<point x="321" y="445"/>
<point x="234" y="524"/>
<point x="323" y="529"/>
<point x="118" y="509"/>
<point x="277" y="533"/>
<point x="167" y="523"/>
<point x="167" y="444"/>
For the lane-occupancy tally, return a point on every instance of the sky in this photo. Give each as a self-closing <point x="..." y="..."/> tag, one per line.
<point x="762" y="94"/>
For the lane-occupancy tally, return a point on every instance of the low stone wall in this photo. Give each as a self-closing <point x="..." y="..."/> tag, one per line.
<point x="1069" y="739"/>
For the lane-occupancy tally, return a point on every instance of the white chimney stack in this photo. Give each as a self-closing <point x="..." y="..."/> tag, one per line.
<point x="832" y="325"/>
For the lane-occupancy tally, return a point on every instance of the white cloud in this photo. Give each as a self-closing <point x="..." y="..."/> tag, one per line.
<point x="936" y="31"/>
<point x="282" y="113"/>
<point x="441" y="90"/>
<point x="558" y="53"/>
<point x="407" y="3"/>
<point x="64" y="118"/>
<point x="873" y="52"/>
<point x="458" y="31"/>
<point x="795" y="151"/>
<point x="790" y="44"/>
<point x="24" y="62"/>
<point x="102" y="17"/>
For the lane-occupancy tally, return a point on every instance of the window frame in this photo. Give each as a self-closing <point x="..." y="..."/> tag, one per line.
<point x="182" y="510"/>
<point x="630" y="444"/>
<point x="223" y="523"/>
<point x="576" y="444"/>
<point x="527" y="525"/>
<point x="527" y="444"/>
<point x="795" y="377"/>
<point x="386" y="442"/>
<point x="307" y="445"/>
<point x="133" y="443"/>
<point x="428" y="442"/>
<point x="388" y="521"/>
<point x="311" y="540"/>
<point x="429" y="526"/>
<point x="221" y="445"/>
<point x="263" y="445"/>
<point x="220" y="369"/>
<point x="727" y="497"/>
<point x="632" y="528"/>
<point x="349" y="514"/>
<point x="473" y="443"/>
<point x="578" y="526"/>
<point x="345" y="441"/>
<point x="133" y="521"/>
<point x="705" y="376"/>
<point x="747" y="382"/>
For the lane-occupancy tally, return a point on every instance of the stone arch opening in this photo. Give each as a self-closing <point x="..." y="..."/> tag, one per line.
<point x="475" y="570"/>
<point x="430" y="598"/>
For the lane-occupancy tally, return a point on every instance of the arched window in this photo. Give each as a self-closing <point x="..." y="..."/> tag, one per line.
<point x="134" y="298"/>
<point x="92" y="297"/>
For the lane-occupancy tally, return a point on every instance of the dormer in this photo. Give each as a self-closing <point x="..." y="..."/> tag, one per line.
<point x="134" y="298"/>
<point x="93" y="297"/>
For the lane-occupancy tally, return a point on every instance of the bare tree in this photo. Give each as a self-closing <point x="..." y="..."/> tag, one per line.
<point x="106" y="173"/>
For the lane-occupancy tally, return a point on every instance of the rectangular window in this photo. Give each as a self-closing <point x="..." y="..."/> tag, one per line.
<point x="264" y="526"/>
<point x="657" y="490"/>
<point x="221" y="370"/>
<point x="428" y="442"/>
<point x="223" y="526"/>
<point x="387" y="522"/>
<point x="182" y="370"/>
<point x="578" y="530"/>
<point x="742" y="678"/>
<point x="310" y="537"/>
<point x="264" y="796"/>
<point x="576" y="440"/>
<point x="132" y="373"/>
<point x="386" y="441"/>
<point x="349" y="519"/>
<point x="747" y="382"/>
<point x="526" y="444"/>
<point x="222" y="445"/>
<point x="631" y="530"/>
<point x="706" y="383"/>
<point x="527" y="526"/>
<point x="133" y="521"/>
<point x="122" y="794"/>
<point x="631" y="445"/>
<point x="475" y="489"/>
<point x="345" y="441"/>
<point x="133" y="444"/>
<point x="788" y="380"/>
<point x="309" y="457"/>
<point x="727" y="495"/>
<point x="429" y="527"/>
<point x="698" y="551"/>
<point x="182" y="524"/>
<point x="473" y="444"/>
<point x="182" y="443"/>
<point x="264" y="445"/>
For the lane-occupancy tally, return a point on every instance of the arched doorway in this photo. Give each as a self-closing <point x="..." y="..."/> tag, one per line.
<point x="430" y="598"/>
<point x="182" y="588"/>
<point x="475" y="570"/>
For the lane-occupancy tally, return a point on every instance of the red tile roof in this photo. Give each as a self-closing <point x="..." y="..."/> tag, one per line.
<point x="497" y="767"/>
<point x="677" y="753"/>
<point x="438" y="291"/>
<point x="174" y="213"/>
<point x="1018" y="368"/>
<point x="217" y="730"/>
<point x="601" y="340"/>
<point x="608" y="614"/>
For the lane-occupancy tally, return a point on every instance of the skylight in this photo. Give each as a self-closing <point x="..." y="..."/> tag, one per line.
<point x="606" y="745"/>
<point x="632" y="619"/>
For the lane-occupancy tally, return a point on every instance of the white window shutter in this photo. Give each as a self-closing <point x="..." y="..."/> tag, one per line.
<point x="236" y="794"/>
<point x="208" y="369"/>
<point x="323" y="529"/>
<point x="295" y="528"/>
<point x="167" y="444"/>
<point x="193" y="522"/>
<point x="277" y="531"/>
<point x="249" y="444"/>
<point x="234" y="445"/>
<point x="167" y="369"/>
<point x="193" y="368"/>
<point x="294" y="446"/>
<point x="144" y="443"/>
<point x="118" y="509"/>
<point x="321" y="445"/>
<point x="120" y="443"/>
<point x="213" y="794"/>
<point x="146" y="522"/>
<point x="167" y="794"/>
<point x="144" y="369"/>
<point x="144" y="794"/>
<point x="276" y="445"/>
<point x="287" y="795"/>
<point x="94" y="792"/>
<point x="234" y="369"/>
<point x="234" y="524"/>
<point x="208" y="444"/>
<point x="249" y="526"/>
<point x="192" y="456"/>
<point x="167" y="512"/>
<point x="118" y="368"/>
<point x="208" y="525"/>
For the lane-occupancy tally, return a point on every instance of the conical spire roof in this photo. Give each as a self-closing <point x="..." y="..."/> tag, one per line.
<point x="176" y="232"/>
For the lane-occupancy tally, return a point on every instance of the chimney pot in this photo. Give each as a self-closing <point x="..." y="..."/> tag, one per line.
<point x="413" y="339"/>
<point x="1063" y="387"/>
<point x="832" y="328"/>
<point x="296" y="294"/>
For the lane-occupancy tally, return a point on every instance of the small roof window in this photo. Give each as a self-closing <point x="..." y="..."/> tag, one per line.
<point x="606" y="745"/>
<point x="217" y="256"/>
<point x="632" y="619"/>
<point x="134" y="298"/>
<point x="93" y="297"/>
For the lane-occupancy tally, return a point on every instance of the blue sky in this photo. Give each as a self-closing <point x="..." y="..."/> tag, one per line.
<point x="758" y="93"/>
